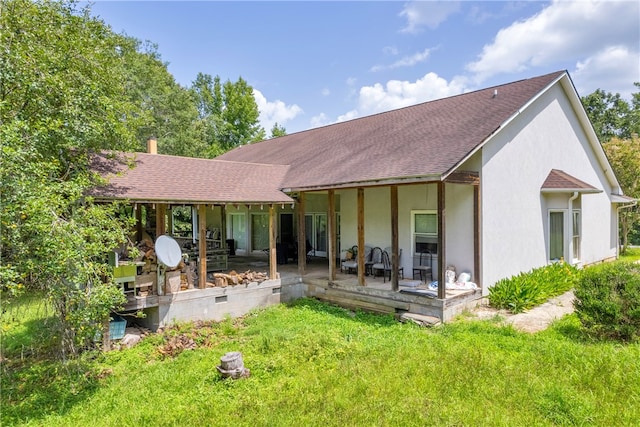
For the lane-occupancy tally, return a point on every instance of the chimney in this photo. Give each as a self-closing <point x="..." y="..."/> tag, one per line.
<point x="152" y="145"/>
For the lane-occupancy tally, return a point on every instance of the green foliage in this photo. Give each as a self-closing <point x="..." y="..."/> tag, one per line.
<point x="624" y="156"/>
<point x="526" y="290"/>
<point x="316" y="364"/>
<point x="277" y="131"/>
<point x="228" y="114"/>
<point x="608" y="301"/>
<point x="612" y="116"/>
<point x="61" y="97"/>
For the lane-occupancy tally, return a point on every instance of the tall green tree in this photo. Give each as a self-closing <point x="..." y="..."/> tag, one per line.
<point x="62" y="96"/>
<point x="624" y="156"/>
<point x="169" y="111"/>
<point x="228" y="113"/>
<point x="617" y="125"/>
<point x="613" y="116"/>
<point x="277" y="130"/>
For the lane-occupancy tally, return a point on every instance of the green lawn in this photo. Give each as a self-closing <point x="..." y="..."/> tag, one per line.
<point x="317" y="365"/>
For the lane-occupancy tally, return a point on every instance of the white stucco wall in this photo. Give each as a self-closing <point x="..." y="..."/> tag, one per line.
<point x="377" y="229"/>
<point x="545" y="136"/>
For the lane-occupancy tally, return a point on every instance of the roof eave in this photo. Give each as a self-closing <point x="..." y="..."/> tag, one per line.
<point x="366" y="183"/>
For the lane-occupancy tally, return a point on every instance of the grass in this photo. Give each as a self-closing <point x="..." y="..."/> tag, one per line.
<point x="313" y="364"/>
<point x="631" y="255"/>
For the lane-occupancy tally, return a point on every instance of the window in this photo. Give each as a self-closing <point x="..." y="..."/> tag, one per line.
<point x="556" y="235"/>
<point x="425" y="231"/>
<point x="576" y="235"/>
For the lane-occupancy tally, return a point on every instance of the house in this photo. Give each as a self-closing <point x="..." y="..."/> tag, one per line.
<point x="492" y="182"/>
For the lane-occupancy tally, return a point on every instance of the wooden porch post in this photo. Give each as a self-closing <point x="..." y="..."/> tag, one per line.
<point x="272" y="243"/>
<point x="138" y="213"/>
<point x="442" y="291"/>
<point x="476" y="235"/>
<point x="223" y="226"/>
<point x="331" y="225"/>
<point x="202" y="246"/>
<point x="302" y="251"/>
<point x="161" y="225"/>
<point x="361" y="281"/>
<point x="395" y="285"/>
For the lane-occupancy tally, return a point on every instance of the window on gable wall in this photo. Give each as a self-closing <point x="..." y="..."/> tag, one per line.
<point x="576" y="235"/>
<point x="425" y="231"/>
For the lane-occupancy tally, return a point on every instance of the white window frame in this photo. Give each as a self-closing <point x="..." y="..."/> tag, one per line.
<point x="576" y="235"/>
<point x="414" y="234"/>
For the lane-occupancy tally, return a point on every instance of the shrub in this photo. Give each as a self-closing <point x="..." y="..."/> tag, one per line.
<point x="526" y="290"/>
<point x="608" y="301"/>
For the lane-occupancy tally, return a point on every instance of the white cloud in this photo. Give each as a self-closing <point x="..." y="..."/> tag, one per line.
<point x="562" y="32"/>
<point x="429" y="14"/>
<point x="272" y="112"/>
<point x="320" y="120"/>
<point x="613" y="69"/>
<point x="390" y="50"/>
<point x="407" y="61"/>
<point x="326" y="92"/>
<point x="396" y="94"/>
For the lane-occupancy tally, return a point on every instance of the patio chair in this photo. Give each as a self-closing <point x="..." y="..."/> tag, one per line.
<point x="424" y="267"/>
<point x="351" y="265"/>
<point x="385" y="266"/>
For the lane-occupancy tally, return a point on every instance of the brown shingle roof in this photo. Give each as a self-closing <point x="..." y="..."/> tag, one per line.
<point x="558" y="180"/>
<point x="157" y="177"/>
<point x="426" y="140"/>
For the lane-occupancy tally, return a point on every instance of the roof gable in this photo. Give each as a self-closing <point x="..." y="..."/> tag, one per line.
<point x="560" y="181"/>
<point x="424" y="141"/>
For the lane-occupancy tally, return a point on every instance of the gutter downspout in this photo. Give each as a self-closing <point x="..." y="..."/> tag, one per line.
<point x="570" y="230"/>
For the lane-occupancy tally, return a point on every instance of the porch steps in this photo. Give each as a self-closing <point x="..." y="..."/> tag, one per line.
<point x="420" y="319"/>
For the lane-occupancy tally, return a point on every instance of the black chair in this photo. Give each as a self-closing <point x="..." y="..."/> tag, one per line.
<point x="424" y="266"/>
<point x="385" y="266"/>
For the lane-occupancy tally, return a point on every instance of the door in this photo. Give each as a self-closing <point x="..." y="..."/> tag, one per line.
<point x="316" y="233"/>
<point x="259" y="232"/>
<point x="238" y="231"/>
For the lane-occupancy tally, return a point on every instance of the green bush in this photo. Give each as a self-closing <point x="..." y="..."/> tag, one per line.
<point x="526" y="290"/>
<point x="608" y="301"/>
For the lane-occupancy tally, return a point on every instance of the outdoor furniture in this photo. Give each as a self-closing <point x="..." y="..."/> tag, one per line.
<point x="350" y="264"/>
<point x="385" y="266"/>
<point x="374" y="258"/>
<point x="424" y="266"/>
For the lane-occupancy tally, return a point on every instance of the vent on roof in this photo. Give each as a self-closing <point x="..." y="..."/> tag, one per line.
<point x="495" y="93"/>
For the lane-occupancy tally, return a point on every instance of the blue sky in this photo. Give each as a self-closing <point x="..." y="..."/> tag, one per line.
<point x="316" y="63"/>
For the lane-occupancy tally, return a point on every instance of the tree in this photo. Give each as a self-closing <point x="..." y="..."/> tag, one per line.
<point x="169" y="111"/>
<point x="617" y="125"/>
<point x="612" y="116"/>
<point x="62" y="96"/>
<point x="624" y="156"/>
<point x="228" y="113"/>
<point x="277" y="131"/>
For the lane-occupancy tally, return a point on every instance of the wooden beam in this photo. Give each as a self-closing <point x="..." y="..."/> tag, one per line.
<point x="442" y="287"/>
<point x="273" y="269"/>
<point x="476" y="235"/>
<point x="202" y="246"/>
<point x="464" y="177"/>
<point x="161" y="223"/>
<point x="360" y="208"/>
<point x="302" y="240"/>
<point x="331" y="225"/>
<point x="395" y="259"/>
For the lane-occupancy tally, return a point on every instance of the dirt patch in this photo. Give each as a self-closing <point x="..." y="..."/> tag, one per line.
<point x="534" y="320"/>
